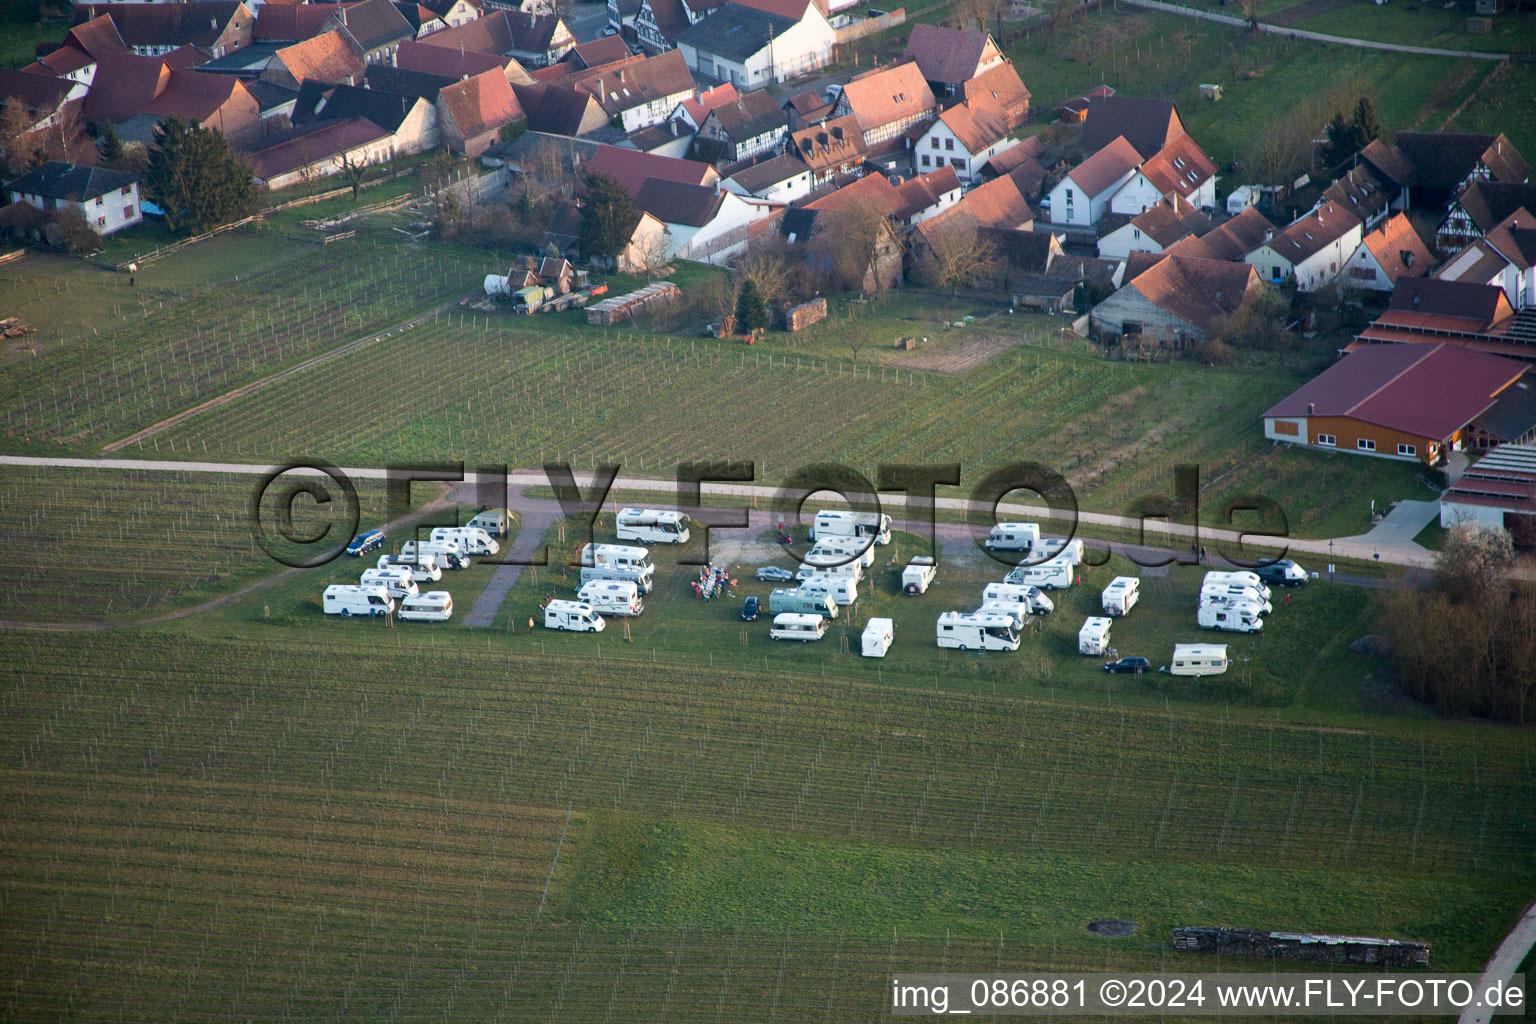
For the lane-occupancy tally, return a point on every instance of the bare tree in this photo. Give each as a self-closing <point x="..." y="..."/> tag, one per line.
<point x="957" y="255"/>
<point x="354" y="171"/>
<point x="1283" y="150"/>
<point x="767" y="265"/>
<point x="651" y="254"/>
<point x="857" y="242"/>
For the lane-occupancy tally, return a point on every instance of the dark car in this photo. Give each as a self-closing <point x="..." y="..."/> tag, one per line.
<point x="366" y="542"/>
<point x="749" y="610"/>
<point x="1130" y="664"/>
<point x="1281" y="573"/>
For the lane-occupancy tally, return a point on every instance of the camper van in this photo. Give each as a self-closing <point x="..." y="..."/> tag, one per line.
<point x="1121" y="595"/>
<point x="1012" y="537"/>
<point x="919" y="575"/>
<point x="450" y="554"/>
<point x="1031" y="597"/>
<point x="346" y="600"/>
<point x="1239" y="579"/>
<point x="422" y="570"/>
<point x="495" y="521"/>
<point x="847" y="571"/>
<point x="1231" y="618"/>
<point x="1054" y="548"/>
<point x="572" y="615"/>
<point x="433" y="606"/>
<point x="634" y="560"/>
<point x="1224" y="592"/>
<point x="784" y="599"/>
<point x="977" y="631"/>
<point x="396" y="580"/>
<point x="841" y="589"/>
<point x="1052" y="575"/>
<point x="1284" y="573"/>
<point x="1198" y="660"/>
<point x="652" y="526"/>
<point x="833" y="523"/>
<point x="1093" y="638"/>
<point x="612" y="597"/>
<point x="641" y="580"/>
<point x="1016" y="611"/>
<point x="472" y="539"/>
<point x="795" y="626"/>
<point x="878" y="634"/>
<point x="836" y="550"/>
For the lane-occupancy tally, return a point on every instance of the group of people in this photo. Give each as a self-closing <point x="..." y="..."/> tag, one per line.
<point x="712" y="582"/>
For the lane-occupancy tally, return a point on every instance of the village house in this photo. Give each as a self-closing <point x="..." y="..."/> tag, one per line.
<point x="290" y="23"/>
<point x="559" y="111"/>
<point x="645" y="250"/>
<point x="832" y="150"/>
<point x="1083" y="196"/>
<point x="1148" y="125"/>
<point x="1179" y="170"/>
<point x="783" y="178"/>
<point x="1479" y="208"/>
<point x="885" y="103"/>
<point x="1426" y="310"/>
<point x="1505" y="257"/>
<point x="536" y="40"/>
<point x="928" y="195"/>
<point x="1498" y="491"/>
<point x="1445" y="163"/>
<point x="1173" y="303"/>
<point x="951" y="57"/>
<point x="703" y="222"/>
<point x="1237" y="237"/>
<point x="454" y="13"/>
<point x="1153" y="230"/>
<point x="411" y="121"/>
<point x="421" y="19"/>
<point x="658" y="23"/>
<point x="963" y="137"/>
<point x="1312" y="250"/>
<point x="330" y="57"/>
<point x="316" y="150"/>
<point x="996" y="204"/>
<point x="807" y="108"/>
<point x="753" y="44"/>
<point x="375" y="27"/>
<point x="1001" y="89"/>
<point x="1391" y="251"/>
<point x="752" y="124"/>
<point x="453" y="65"/>
<point x="633" y="169"/>
<point x="108" y="200"/>
<point x="1361" y="194"/>
<point x="472" y="113"/>
<point x="639" y="91"/>
<point x="83" y="45"/>
<point x="46" y="101"/>
<point x="215" y="27"/>
<point x="823" y="216"/>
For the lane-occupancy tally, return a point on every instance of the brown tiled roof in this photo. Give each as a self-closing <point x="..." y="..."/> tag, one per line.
<point x="601" y="50"/>
<point x="557" y="110"/>
<point x="925" y="190"/>
<point x="1442" y="160"/>
<point x="95" y="36"/>
<point x="870" y="188"/>
<point x="1238" y="236"/>
<point x="674" y="202"/>
<point x="810" y="105"/>
<point x="1166" y="222"/>
<point x="1015" y="155"/>
<point x="632" y="168"/>
<point x="41" y="94"/>
<point x="1389" y="161"/>
<point x="66" y="60"/>
<point x="1359" y="192"/>
<point x="59" y="180"/>
<point x="794" y="9"/>
<point x="830" y="144"/>
<point x="125" y="83"/>
<point x="481" y="103"/>
<point x="1478" y="263"/>
<point x="1147" y="124"/>
<point x="948" y="55"/>
<point x="329" y="57"/>
<point x="501" y="32"/>
<point x="374" y="24"/>
<point x="1398" y="248"/>
<point x="976" y="127"/>
<point x="1515" y="239"/>
<point x="1029" y="177"/>
<point x="754" y="177"/>
<point x="996" y="204"/>
<point x="1193" y="245"/>
<point x="1478" y="306"/>
<point x="197" y="97"/>
<point x="1001" y="88"/>
<point x="1028" y="251"/>
<point x="750" y="115"/>
<point x="888" y="95"/>
<point x="1195" y="290"/>
<point x="1179" y="167"/>
<point x="1310" y="232"/>
<point x="698" y="107"/>
<point x="1106" y="167"/>
<point x="455" y="64"/>
<point x="316" y="142"/>
<point x="631" y="83"/>
<point x="290" y="22"/>
<point x="194" y="22"/>
<point x="1488" y="202"/>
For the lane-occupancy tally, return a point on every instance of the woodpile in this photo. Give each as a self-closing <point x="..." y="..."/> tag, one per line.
<point x="805" y="314"/>
<point x="905" y="344"/>
<point x="622" y="307"/>
<point x="724" y="327"/>
<point x="15" y="327"/>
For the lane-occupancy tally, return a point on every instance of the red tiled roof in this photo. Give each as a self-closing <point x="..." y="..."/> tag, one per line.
<point x="925" y="190"/>
<point x="324" y="142"/>
<point x="889" y="95"/>
<point x="636" y="81"/>
<point x="195" y="22"/>
<point x="1166" y="222"/>
<point x="602" y="50"/>
<point x="1015" y="156"/>
<point x="976" y="127"/>
<point x="949" y="55"/>
<point x="794" y="9"/>
<point x="444" y="62"/>
<point x="1179" y="167"/>
<point x="197" y="96"/>
<point x="1195" y="290"/>
<point x="1000" y="88"/>
<point x="632" y="168"/>
<point x="329" y="57"/>
<point x="698" y="107"/>
<point x="124" y="84"/>
<point x="1105" y="168"/>
<point x="481" y="103"/>
<point x="1310" y="232"/>
<point x="830" y="144"/>
<point x="674" y="202"/>
<point x="277" y="22"/>
<point x="41" y="94"/>
<point x="66" y="60"/>
<point x="96" y="37"/>
<point x="1398" y="249"/>
<point x="1238" y="236"/>
<point x="996" y="204"/>
<point x="872" y="188"/>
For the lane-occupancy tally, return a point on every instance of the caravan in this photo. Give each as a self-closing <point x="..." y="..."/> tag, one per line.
<point x="795" y="626"/>
<point x="396" y="580"/>
<point x="472" y="539"/>
<point x="833" y="523"/>
<point x="1093" y="638"/>
<point x="1012" y="537"/>
<point x="1198" y="660"/>
<point x="346" y="600"/>
<point x="572" y="615"/>
<point x="652" y="526"/>
<point x="840" y="550"/>
<point x="642" y="581"/>
<point x="1053" y="575"/>
<point x="977" y="631"/>
<point x="919" y="575"/>
<point x="1230" y="617"/>
<point x="1239" y="579"/>
<point x="841" y="589"/>
<point x="422" y="570"/>
<point x="784" y="599"/>
<point x="847" y="571"/>
<point x="1031" y="597"/>
<point x="495" y="521"/>
<point x="612" y="597"/>
<point x="1238" y="594"/>
<point x="450" y="554"/>
<point x="1052" y="549"/>
<point x="878" y="634"/>
<point x="1121" y="595"/>
<point x="433" y="606"/>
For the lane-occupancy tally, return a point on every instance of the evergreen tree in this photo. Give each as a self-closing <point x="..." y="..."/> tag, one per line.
<point x="608" y="216"/>
<point x="1342" y="143"/>
<point x="751" y="310"/>
<point x="196" y="180"/>
<point x="111" y="145"/>
<point x="1367" y="127"/>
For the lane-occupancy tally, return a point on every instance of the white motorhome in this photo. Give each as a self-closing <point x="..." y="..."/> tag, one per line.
<point x="796" y="626"/>
<point x="642" y="580"/>
<point x="1230" y="618"/>
<point x="396" y="580"/>
<point x="1054" y="548"/>
<point x="652" y="525"/>
<point x="1093" y="638"/>
<point x="1121" y="595"/>
<point x="423" y="570"/>
<point x="848" y="570"/>
<point x="472" y="539"/>
<point x="433" y="606"/>
<point x="1012" y="537"/>
<point x="878" y="634"/>
<point x="612" y="597"/>
<point x="977" y="631"/>
<point x="1016" y="611"/>
<point x="1240" y="595"/>
<point x="841" y="589"/>
<point x="631" y="559"/>
<point x="1199" y="660"/>
<point x="576" y="616"/>
<point x="835" y="523"/>
<point x="834" y="550"/>
<point x="1052" y="575"/>
<point x="450" y="554"/>
<point x="347" y="600"/>
<point x="495" y="521"/>
<point x="1032" y="597"/>
<point x="919" y="575"/>
<point x="1240" y="579"/>
<point x="784" y="599"/>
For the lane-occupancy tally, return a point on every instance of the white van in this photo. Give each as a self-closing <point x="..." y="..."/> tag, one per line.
<point x="842" y="590"/>
<point x="784" y="599"/>
<point x="472" y="539"/>
<point x="795" y="626"/>
<point x="835" y="523"/>
<point x="652" y="525"/>
<point x="878" y="634"/>
<point x="396" y="580"/>
<point x="347" y="600"/>
<point x="1121" y="595"/>
<point x="1231" y="618"/>
<point x="433" y="606"/>
<point x="1052" y="575"/>
<point x="1221" y="591"/>
<point x="919" y="575"/>
<point x="1239" y="579"/>
<point x="1032" y="597"/>
<point x="422" y="570"/>
<point x="450" y="554"/>
<point x="977" y="631"/>
<point x="1199" y="660"/>
<point x="1016" y="611"/>
<point x="495" y="521"/>
<point x="1093" y="638"/>
<point x="1012" y="537"/>
<point x="641" y="580"/>
<point x="1052" y="548"/>
<point x="835" y="550"/>
<point x="612" y="597"/>
<point x="573" y="615"/>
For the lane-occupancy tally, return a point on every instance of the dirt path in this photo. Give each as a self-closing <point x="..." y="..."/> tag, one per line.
<point x="1505" y="961"/>
<point x="536" y="516"/>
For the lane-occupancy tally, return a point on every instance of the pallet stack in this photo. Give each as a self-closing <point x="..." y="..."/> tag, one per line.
<point x="621" y="307"/>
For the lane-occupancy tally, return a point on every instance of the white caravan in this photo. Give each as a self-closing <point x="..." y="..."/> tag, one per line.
<point x="573" y="615"/>
<point x="835" y="523"/>
<point x="784" y="599"/>
<point x="847" y="571"/>
<point x="878" y="634"/>
<point x="919" y="575"/>
<point x="450" y="554"/>
<point x="433" y="606"/>
<point x="1121" y="595"/>
<point x="612" y="597"/>
<point x="1240" y="579"/>
<point x="977" y="631"/>
<point x="1016" y="611"/>
<point x="1199" y="660"/>
<point x="1224" y="592"/>
<point x="472" y="539"/>
<point x="1054" y="548"/>
<point x="652" y="525"/>
<point x="347" y="600"/>
<point x="642" y="580"/>
<point x="1032" y="597"/>
<point x="634" y="560"/>
<point x="842" y="590"/>
<point x="495" y="521"/>
<point x="1052" y="575"/>
<point x="422" y="570"/>
<point x="1231" y="618"/>
<point x="397" y="581"/>
<point x="1012" y="537"/>
<point x="835" y="550"/>
<point x="795" y="626"/>
<point x="1093" y="638"/>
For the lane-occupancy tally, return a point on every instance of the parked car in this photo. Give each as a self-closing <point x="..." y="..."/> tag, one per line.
<point x="773" y="574"/>
<point x="370" y="540"/>
<point x="1281" y="573"/>
<point x="749" y="609"/>
<point x="1131" y="664"/>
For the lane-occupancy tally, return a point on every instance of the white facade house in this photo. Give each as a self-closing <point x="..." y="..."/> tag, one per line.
<point x="751" y="48"/>
<point x="109" y="200"/>
<point x="964" y="137"/>
<point x="1136" y="196"/>
<point x="782" y="179"/>
<point x="1083" y="196"/>
<point x="1315" y="248"/>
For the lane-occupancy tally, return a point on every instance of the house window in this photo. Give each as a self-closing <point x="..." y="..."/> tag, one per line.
<point x="1135" y="232"/>
<point x="101" y="222"/>
<point x="956" y="161"/>
<point x="1407" y="449"/>
<point x="1288" y="428"/>
<point x="935" y="142"/>
<point x="926" y="162"/>
<point x="949" y="144"/>
<point x="1363" y="273"/>
<point x="1365" y="444"/>
<point x="1327" y="439"/>
<point x="1274" y="274"/>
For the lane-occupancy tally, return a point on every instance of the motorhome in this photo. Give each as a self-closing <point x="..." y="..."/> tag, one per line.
<point x="841" y="589"/>
<point x="847" y="570"/>
<point x="1199" y="660"/>
<point x="877" y="637"/>
<point x="1016" y="611"/>
<point x="1240" y="579"/>
<point x="1052" y="575"/>
<point x="347" y="600"/>
<point x="450" y="554"/>
<point x="576" y="616"/>
<point x="396" y="580"/>
<point x="433" y="606"/>
<point x="1219" y="591"/>
<point x="834" y="523"/>
<point x="1032" y="597"/>
<point x="1231" y="618"/>
<point x="495" y="521"/>
<point x="612" y="597"/>
<point x="423" y="570"/>
<point x="472" y="539"/>
<point x="1012" y="537"/>
<point x="919" y="575"/>
<point x="652" y="526"/>
<point x="785" y="599"/>
<point x="1053" y="548"/>
<point x="1121" y="595"/>
<point x="795" y="626"/>
<point x="977" y="631"/>
<point x="1093" y="638"/>
<point x="837" y="550"/>
<point x="635" y="560"/>
<point x="641" y="580"/>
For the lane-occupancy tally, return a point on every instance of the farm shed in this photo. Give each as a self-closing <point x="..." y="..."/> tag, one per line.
<point x="622" y="307"/>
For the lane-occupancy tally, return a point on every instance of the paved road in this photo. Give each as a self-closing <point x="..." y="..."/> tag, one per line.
<point x="1517" y="945"/>
<point x="1320" y="37"/>
<point x="586" y="21"/>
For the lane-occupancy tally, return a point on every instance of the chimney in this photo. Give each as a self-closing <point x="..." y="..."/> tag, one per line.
<point x="1311" y="408"/>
